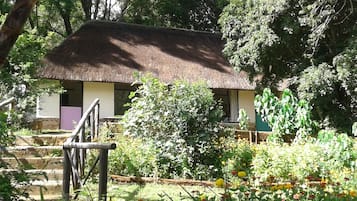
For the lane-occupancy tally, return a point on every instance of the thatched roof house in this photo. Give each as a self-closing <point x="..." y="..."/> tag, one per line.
<point x="112" y="52"/>
<point x="99" y="61"/>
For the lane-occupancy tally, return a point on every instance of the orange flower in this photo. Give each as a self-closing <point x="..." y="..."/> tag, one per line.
<point x="353" y="193"/>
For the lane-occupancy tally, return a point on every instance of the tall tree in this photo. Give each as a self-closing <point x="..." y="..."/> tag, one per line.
<point x="198" y="15"/>
<point x="13" y="26"/>
<point x="313" y="42"/>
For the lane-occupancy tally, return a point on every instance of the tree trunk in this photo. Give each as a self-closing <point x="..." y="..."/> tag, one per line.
<point x="13" y="26"/>
<point x="105" y="10"/>
<point x="65" y="12"/>
<point x="87" y="6"/>
<point x="96" y="9"/>
<point x="67" y="23"/>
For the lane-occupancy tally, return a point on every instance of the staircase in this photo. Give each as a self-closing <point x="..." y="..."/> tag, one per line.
<point x="41" y="156"/>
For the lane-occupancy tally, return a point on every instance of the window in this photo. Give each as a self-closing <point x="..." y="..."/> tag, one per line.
<point x="223" y="96"/>
<point x="121" y="93"/>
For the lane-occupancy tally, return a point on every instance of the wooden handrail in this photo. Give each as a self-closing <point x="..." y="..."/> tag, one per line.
<point x="82" y="121"/>
<point x="89" y="145"/>
<point x="75" y="151"/>
<point x="10" y="102"/>
<point x="7" y="101"/>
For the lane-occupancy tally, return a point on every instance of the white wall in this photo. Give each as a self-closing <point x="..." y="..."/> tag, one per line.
<point x="234" y="106"/>
<point x="103" y="91"/>
<point x="48" y="105"/>
<point x="246" y="102"/>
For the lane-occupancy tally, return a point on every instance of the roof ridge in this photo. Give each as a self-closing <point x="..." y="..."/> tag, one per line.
<point x="148" y="27"/>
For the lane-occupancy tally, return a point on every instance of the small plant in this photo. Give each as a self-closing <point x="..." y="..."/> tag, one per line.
<point x="9" y="180"/>
<point x="133" y="157"/>
<point x="238" y="158"/>
<point x="243" y="119"/>
<point x="287" y="116"/>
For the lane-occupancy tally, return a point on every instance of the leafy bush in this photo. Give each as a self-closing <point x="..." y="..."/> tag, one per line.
<point x="331" y="156"/>
<point x="183" y="121"/>
<point x="133" y="157"/>
<point x="287" y="162"/>
<point x="17" y="77"/>
<point x="338" y="151"/>
<point x="238" y="157"/>
<point x="9" y="180"/>
<point x="243" y="119"/>
<point x="288" y="116"/>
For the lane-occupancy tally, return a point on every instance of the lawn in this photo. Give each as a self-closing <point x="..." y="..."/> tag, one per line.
<point x="149" y="192"/>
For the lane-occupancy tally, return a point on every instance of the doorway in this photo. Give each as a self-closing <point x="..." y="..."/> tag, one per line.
<point x="71" y="104"/>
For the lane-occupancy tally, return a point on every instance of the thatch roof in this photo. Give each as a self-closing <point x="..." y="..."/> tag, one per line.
<point x="112" y="52"/>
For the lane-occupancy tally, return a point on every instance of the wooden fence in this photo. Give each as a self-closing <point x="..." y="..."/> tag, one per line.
<point x="75" y="151"/>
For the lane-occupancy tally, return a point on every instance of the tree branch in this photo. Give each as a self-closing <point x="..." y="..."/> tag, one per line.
<point x="13" y="25"/>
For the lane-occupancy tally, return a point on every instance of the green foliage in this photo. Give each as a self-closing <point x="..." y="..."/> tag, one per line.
<point x="9" y="180"/>
<point x="287" y="116"/>
<point x="197" y="15"/>
<point x="5" y="137"/>
<point x="332" y="156"/>
<point x="133" y="157"/>
<point x="17" y="78"/>
<point x="237" y="157"/>
<point x="337" y="150"/>
<point x="243" y="119"/>
<point x="284" y="163"/>
<point x="183" y="122"/>
<point x="313" y="42"/>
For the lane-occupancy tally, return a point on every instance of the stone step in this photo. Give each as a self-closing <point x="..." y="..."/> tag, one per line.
<point x="32" y="151"/>
<point x="43" y="187"/>
<point x="35" y="162"/>
<point x="42" y="139"/>
<point x="41" y="175"/>
<point x="46" y="197"/>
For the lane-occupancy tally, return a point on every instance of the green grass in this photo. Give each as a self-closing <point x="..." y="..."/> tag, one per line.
<point x="25" y="132"/>
<point x="147" y="192"/>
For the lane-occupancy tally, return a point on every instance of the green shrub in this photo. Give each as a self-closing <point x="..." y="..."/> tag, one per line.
<point x="238" y="157"/>
<point x="287" y="162"/>
<point x="133" y="157"/>
<point x="287" y="116"/>
<point x="9" y="180"/>
<point x="183" y="121"/>
<point x="338" y="151"/>
<point x="331" y="156"/>
<point x="243" y="120"/>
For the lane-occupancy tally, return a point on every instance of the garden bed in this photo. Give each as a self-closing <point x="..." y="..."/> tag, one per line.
<point x="144" y="180"/>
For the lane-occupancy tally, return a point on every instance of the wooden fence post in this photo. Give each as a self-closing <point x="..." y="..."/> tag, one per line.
<point x="103" y="173"/>
<point x="66" y="175"/>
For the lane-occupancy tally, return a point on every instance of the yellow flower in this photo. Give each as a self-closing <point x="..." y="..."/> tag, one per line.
<point x="242" y="174"/>
<point x="353" y="193"/>
<point x="220" y="183"/>
<point x="273" y="188"/>
<point x="203" y="197"/>
<point x="324" y="180"/>
<point x="280" y="186"/>
<point x="288" y="186"/>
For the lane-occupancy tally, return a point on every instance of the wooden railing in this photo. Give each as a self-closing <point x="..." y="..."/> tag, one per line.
<point x="10" y="103"/>
<point x="75" y="151"/>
